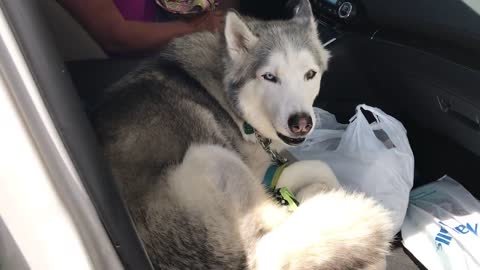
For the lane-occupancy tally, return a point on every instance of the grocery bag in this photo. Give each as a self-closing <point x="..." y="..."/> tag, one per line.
<point x="373" y="158"/>
<point x="441" y="228"/>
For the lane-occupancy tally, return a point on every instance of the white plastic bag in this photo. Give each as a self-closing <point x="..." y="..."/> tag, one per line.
<point x="372" y="158"/>
<point x="441" y="228"/>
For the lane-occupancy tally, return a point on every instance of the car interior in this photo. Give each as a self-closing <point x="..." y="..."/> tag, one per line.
<point x="418" y="61"/>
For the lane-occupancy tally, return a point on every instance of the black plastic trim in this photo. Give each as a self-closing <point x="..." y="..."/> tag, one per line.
<point x="457" y="52"/>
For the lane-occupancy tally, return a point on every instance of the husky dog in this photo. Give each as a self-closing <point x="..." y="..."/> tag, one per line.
<point x="191" y="175"/>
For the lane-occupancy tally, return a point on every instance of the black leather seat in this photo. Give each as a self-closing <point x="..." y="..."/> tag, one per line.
<point x="92" y="77"/>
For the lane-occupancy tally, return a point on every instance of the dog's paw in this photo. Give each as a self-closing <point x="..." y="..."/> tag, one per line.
<point x="311" y="190"/>
<point x="332" y="230"/>
<point x="307" y="178"/>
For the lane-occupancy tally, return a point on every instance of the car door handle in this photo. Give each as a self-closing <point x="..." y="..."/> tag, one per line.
<point x="462" y="114"/>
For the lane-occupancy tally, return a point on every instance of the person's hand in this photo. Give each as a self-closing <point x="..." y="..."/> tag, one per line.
<point x="210" y="21"/>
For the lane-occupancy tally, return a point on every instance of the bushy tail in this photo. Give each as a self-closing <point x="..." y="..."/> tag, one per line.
<point x="333" y="230"/>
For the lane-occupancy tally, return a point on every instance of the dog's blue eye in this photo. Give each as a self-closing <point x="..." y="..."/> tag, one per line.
<point x="270" y="77"/>
<point x="310" y="74"/>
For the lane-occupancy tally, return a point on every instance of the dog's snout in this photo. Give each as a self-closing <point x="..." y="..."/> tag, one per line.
<point x="300" y="124"/>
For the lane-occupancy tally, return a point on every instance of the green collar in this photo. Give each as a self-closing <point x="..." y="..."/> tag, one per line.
<point x="270" y="179"/>
<point x="286" y="198"/>
<point x="282" y="195"/>
<point x="248" y="129"/>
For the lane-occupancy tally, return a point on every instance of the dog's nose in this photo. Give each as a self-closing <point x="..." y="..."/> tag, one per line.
<point x="300" y="123"/>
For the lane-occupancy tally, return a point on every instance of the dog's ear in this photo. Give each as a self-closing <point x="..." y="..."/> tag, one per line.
<point x="238" y="36"/>
<point x="302" y="12"/>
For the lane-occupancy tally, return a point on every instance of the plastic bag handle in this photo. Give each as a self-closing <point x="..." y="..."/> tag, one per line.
<point x="391" y="126"/>
<point x="359" y="136"/>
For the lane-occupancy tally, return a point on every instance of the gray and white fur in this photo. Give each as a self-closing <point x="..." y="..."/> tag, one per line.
<point x="172" y="132"/>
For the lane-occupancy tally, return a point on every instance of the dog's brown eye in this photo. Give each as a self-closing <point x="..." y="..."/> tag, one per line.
<point x="310" y="74"/>
<point x="270" y="77"/>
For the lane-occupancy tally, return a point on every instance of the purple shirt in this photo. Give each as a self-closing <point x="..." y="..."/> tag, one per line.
<point x="137" y="10"/>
